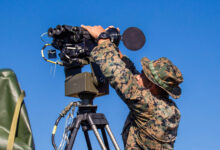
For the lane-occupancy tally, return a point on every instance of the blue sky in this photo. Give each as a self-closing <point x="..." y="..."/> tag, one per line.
<point x="185" y="31"/>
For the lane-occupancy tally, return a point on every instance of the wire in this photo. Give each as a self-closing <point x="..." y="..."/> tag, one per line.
<point x="42" y="54"/>
<point x="62" y="114"/>
<point x="42" y="35"/>
<point x="53" y="70"/>
<point x="69" y="120"/>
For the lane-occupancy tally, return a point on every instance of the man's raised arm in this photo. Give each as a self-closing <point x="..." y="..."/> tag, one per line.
<point x="113" y="68"/>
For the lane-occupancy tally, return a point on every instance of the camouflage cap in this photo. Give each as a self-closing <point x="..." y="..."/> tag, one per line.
<point x="164" y="74"/>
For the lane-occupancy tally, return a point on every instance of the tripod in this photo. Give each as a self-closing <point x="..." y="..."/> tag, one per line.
<point x="86" y="86"/>
<point x="88" y="119"/>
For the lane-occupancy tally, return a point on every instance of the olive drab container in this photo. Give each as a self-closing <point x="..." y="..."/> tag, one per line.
<point x="10" y="93"/>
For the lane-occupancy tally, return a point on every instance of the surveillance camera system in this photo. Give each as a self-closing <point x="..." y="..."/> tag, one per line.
<point x="75" y="45"/>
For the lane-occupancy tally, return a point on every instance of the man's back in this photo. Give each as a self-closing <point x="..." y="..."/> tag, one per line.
<point x="151" y="116"/>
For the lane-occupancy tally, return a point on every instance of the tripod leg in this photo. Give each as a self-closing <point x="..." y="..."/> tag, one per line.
<point x="112" y="137"/>
<point x="96" y="132"/>
<point x="88" y="140"/>
<point x="72" y="137"/>
<point x="105" y="138"/>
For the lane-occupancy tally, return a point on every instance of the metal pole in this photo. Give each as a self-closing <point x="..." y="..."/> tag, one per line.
<point x="87" y="140"/>
<point x="104" y="136"/>
<point x="96" y="133"/>
<point x="74" y="130"/>
<point x="112" y="137"/>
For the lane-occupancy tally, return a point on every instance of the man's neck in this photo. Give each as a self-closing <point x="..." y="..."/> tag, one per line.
<point x="154" y="89"/>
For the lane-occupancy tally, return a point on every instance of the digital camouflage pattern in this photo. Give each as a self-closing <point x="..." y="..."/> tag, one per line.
<point x="153" y="121"/>
<point x="164" y="74"/>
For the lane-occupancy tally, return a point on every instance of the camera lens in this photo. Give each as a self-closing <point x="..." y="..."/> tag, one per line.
<point x="59" y="29"/>
<point x="50" y="32"/>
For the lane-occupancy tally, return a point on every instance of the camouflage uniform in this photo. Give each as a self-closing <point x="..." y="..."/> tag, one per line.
<point x="153" y="121"/>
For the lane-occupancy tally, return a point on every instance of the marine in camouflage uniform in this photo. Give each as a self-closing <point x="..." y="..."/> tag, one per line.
<point x="153" y="120"/>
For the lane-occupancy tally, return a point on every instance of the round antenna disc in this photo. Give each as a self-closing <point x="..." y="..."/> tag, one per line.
<point x="133" y="38"/>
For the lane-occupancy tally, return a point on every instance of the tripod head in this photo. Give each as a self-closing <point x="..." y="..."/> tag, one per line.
<point x="92" y="83"/>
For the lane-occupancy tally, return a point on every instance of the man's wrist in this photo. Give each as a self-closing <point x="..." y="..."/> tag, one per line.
<point x="102" y="41"/>
<point x="103" y="36"/>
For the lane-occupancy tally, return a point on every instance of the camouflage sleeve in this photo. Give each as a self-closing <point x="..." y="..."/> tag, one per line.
<point x="130" y="65"/>
<point x="114" y="69"/>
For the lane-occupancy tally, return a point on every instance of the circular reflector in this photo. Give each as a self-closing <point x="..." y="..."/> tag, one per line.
<point x="133" y="38"/>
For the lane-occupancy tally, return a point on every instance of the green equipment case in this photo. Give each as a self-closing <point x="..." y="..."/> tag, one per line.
<point x="10" y="93"/>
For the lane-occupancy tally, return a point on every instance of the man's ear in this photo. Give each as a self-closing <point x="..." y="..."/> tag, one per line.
<point x="139" y="80"/>
<point x="147" y="83"/>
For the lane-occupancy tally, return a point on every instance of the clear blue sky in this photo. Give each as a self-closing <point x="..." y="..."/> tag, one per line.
<point x="185" y="31"/>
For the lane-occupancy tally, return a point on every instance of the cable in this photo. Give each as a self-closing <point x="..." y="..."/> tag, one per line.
<point x="62" y="114"/>
<point x="42" y="54"/>
<point x="42" y="35"/>
<point x="69" y="120"/>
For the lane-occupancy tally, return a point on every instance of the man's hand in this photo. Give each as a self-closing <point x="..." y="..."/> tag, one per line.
<point x="94" y="31"/>
<point x="120" y="54"/>
<point x="109" y="27"/>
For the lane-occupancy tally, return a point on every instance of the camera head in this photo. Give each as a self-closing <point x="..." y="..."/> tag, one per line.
<point x="75" y="45"/>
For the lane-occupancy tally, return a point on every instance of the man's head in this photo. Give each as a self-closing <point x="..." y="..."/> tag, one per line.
<point x="161" y="74"/>
<point x="145" y="82"/>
